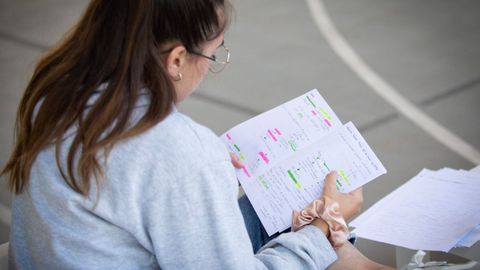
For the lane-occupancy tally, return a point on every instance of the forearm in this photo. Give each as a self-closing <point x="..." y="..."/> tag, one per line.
<point x="350" y="257"/>
<point x="307" y="248"/>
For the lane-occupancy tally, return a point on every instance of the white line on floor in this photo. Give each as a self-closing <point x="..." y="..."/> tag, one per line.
<point x="385" y="90"/>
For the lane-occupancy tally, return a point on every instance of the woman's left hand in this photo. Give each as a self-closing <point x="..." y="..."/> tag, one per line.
<point x="235" y="161"/>
<point x="350" y="203"/>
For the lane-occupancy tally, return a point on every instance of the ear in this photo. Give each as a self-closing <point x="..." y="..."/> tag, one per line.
<point x="176" y="60"/>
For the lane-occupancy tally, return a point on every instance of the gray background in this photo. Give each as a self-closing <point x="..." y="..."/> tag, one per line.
<point x="428" y="50"/>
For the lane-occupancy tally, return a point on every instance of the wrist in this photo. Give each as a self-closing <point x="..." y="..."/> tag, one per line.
<point x="322" y="225"/>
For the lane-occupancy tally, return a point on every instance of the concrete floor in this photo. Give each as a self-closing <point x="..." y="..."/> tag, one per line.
<point x="428" y="50"/>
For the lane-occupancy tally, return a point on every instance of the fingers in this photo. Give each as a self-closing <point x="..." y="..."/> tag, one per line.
<point x="330" y="185"/>
<point x="235" y="161"/>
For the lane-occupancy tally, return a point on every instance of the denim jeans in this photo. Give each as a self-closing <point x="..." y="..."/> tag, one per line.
<point x="256" y="232"/>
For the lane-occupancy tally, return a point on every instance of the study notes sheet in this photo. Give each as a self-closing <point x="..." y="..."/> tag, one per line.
<point x="294" y="183"/>
<point x="262" y="141"/>
<point x="288" y="151"/>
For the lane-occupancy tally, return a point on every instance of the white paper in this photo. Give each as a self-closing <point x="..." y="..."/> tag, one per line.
<point x="432" y="211"/>
<point x="268" y="138"/>
<point x="384" y="202"/>
<point x="287" y="153"/>
<point x="294" y="183"/>
<point x="474" y="235"/>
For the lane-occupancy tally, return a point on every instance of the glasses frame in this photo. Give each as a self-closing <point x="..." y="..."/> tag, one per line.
<point x="214" y="59"/>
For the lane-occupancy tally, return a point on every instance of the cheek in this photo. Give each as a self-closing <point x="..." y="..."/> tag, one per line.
<point x="201" y="70"/>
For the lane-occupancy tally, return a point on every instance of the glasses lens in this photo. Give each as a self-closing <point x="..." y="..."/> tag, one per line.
<point x="222" y="58"/>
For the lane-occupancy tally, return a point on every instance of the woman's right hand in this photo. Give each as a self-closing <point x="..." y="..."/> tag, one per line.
<point x="350" y="203"/>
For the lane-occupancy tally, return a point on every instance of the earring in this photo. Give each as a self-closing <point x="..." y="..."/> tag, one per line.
<point x="179" y="77"/>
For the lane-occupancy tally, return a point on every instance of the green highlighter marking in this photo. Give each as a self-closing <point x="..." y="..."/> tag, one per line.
<point x="294" y="180"/>
<point x="292" y="145"/>
<point x="311" y="102"/>
<point x="263" y="182"/>
<point x="325" y="114"/>
<point x="344" y="177"/>
<point x="237" y="147"/>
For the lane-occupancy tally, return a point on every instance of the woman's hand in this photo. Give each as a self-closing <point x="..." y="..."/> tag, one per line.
<point x="350" y="203"/>
<point x="235" y="161"/>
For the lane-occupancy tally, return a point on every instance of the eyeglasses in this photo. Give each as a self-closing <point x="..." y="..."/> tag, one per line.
<point x="219" y="59"/>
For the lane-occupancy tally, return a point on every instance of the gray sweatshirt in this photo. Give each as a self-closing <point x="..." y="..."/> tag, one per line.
<point x="168" y="200"/>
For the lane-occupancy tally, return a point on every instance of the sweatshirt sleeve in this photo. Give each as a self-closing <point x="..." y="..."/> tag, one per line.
<point x="197" y="224"/>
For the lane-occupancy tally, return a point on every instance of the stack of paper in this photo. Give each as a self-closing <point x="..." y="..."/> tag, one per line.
<point x="435" y="210"/>
<point x="287" y="153"/>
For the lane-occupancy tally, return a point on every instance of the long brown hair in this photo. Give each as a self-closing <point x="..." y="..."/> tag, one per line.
<point x="118" y="42"/>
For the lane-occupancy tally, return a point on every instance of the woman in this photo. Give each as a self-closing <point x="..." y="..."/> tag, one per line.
<point x="107" y="174"/>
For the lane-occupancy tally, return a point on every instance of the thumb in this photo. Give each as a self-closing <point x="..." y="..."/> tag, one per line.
<point x="330" y="185"/>
<point x="235" y="161"/>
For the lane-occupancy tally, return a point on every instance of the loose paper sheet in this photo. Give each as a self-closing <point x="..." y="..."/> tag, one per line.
<point x="432" y="211"/>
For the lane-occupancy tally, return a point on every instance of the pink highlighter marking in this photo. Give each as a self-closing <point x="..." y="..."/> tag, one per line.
<point x="264" y="157"/>
<point x="228" y="136"/>
<point x="278" y="131"/>
<point x="328" y="122"/>
<point x="245" y="171"/>
<point x="271" y="135"/>
<point x="314" y="113"/>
